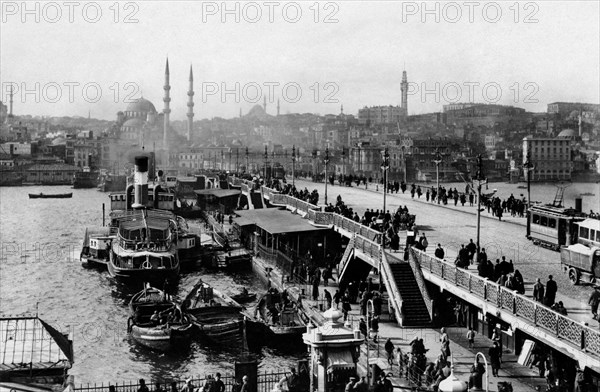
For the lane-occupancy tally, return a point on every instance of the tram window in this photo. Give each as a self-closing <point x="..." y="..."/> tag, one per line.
<point x="544" y="221"/>
<point x="584" y="233"/>
<point x="552" y="223"/>
<point x="592" y="234"/>
<point x="598" y="235"/>
<point x="536" y="219"/>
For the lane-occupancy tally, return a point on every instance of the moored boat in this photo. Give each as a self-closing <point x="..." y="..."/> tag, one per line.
<point x="87" y="178"/>
<point x="233" y="254"/>
<point x="144" y="248"/>
<point x="281" y="315"/>
<point x="157" y="322"/>
<point x="96" y="247"/>
<point x="50" y="195"/>
<point x="244" y="297"/>
<point x="217" y="316"/>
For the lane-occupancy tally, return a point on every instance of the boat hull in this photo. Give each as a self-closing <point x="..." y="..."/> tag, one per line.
<point x="50" y="196"/>
<point x="162" y="338"/>
<point x="132" y="276"/>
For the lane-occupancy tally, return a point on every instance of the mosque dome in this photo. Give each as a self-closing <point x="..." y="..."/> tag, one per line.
<point x="141" y="105"/>
<point x="134" y="122"/>
<point x="257" y="111"/>
<point x="567" y="133"/>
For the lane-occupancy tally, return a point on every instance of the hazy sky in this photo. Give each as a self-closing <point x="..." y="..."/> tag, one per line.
<point x="356" y="59"/>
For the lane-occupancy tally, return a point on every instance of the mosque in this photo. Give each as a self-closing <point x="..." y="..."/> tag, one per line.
<point x="141" y="125"/>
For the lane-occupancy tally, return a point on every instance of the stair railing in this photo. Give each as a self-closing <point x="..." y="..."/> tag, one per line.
<point x="415" y="265"/>
<point x="389" y="281"/>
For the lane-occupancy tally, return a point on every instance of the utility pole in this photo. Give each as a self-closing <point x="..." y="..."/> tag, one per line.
<point x="237" y="161"/>
<point x="438" y="159"/>
<point x="528" y="166"/>
<point x="326" y="161"/>
<point x="384" y="166"/>
<point x="293" y="166"/>
<point x="343" y="161"/>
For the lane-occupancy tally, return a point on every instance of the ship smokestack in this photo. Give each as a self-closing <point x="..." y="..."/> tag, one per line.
<point x="140" y="182"/>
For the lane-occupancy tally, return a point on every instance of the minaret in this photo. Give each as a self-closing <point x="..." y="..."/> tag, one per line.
<point x="580" y="124"/>
<point x="240" y="112"/>
<point x="265" y="103"/>
<point x="166" y="110"/>
<point x="404" y="90"/>
<point x="342" y="110"/>
<point x="10" y="102"/>
<point x="277" y="106"/>
<point x="190" y="105"/>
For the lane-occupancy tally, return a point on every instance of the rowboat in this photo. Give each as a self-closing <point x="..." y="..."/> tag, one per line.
<point x="50" y="195"/>
<point x="281" y="315"/>
<point x="157" y="322"/>
<point x="244" y="297"/>
<point x="217" y="317"/>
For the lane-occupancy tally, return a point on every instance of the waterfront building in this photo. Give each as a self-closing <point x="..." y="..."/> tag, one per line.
<point x="50" y="174"/>
<point x="551" y="157"/>
<point x="486" y="115"/>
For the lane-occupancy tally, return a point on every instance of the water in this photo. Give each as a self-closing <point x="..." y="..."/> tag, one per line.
<point x="39" y="264"/>
<point x="539" y="192"/>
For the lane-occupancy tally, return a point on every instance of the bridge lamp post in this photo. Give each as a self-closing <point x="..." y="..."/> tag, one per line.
<point x="437" y="161"/>
<point x="343" y="161"/>
<point x="384" y="166"/>
<point x="481" y="180"/>
<point x="528" y="166"/>
<point x="247" y="167"/>
<point x="293" y="166"/>
<point x="326" y="161"/>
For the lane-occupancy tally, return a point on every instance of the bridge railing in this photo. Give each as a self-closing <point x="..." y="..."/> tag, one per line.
<point x="574" y="332"/>
<point x="415" y="265"/>
<point x="392" y="288"/>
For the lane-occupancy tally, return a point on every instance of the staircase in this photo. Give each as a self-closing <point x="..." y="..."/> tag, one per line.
<point x="415" y="312"/>
<point x="346" y="257"/>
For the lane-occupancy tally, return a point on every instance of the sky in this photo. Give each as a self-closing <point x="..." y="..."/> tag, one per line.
<point x="75" y="58"/>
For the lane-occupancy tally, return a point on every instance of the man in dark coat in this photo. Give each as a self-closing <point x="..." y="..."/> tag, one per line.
<point x="439" y="252"/>
<point x="551" y="289"/>
<point x="538" y="291"/>
<point x="494" y="354"/>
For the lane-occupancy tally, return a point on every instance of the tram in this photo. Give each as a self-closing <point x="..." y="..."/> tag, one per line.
<point x="553" y="227"/>
<point x="581" y="260"/>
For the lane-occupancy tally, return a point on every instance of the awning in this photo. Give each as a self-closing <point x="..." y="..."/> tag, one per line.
<point x="218" y="193"/>
<point x="339" y="360"/>
<point x="276" y="221"/>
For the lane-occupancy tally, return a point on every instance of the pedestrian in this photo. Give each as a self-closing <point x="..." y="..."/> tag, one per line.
<point x="350" y="385"/>
<point x="594" y="301"/>
<point x="328" y="299"/>
<point x="551" y="289"/>
<point x="219" y="384"/>
<point x="362" y="385"/>
<point x="495" y="358"/>
<point x="362" y="327"/>
<point x="424" y="243"/>
<point x="245" y="385"/>
<point x="173" y="387"/>
<point x="538" y="291"/>
<point x="292" y="380"/>
<point x="346" y="305"/>
<point x="445" y="349"/>
<point x="471" y="337"/>
<point x="143" y="387"/>
<point x="375" y="328"/>
<point x="387" y="383"/>
<point x="439" y="252"/>
<point x="158" y="388"/>
<point x="336" y="298"/>
<point x="188" y="387"/>
<point x="389" y="349"/>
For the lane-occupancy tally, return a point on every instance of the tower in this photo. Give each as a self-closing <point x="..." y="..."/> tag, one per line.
<point x="166" y="110"/>
<point x="240" y="112"/>
<point x="278" y="106"/>
<point x="265" y="103"/>
<point x="190" y="105"/>
<point x="404" y="90"/>
<point x="342" y="109"/>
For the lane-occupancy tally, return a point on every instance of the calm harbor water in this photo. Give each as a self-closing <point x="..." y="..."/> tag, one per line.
<point x="39" y="266"/>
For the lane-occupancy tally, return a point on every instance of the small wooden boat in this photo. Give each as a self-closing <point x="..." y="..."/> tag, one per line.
<point x="281" y="315"/>
<point x="50" y="195"/>
<point x="217" y="316"/>
<point x="157" y="322"/>
<point x="244" y="297"/>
